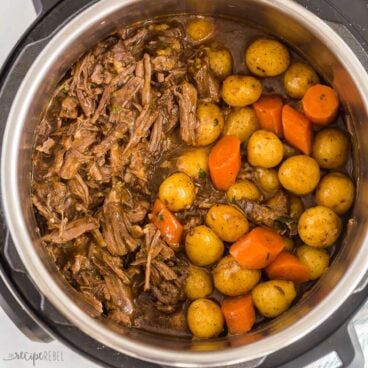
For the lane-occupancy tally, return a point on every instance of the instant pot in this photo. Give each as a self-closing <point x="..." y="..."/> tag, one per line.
<point x="42" y="306"/>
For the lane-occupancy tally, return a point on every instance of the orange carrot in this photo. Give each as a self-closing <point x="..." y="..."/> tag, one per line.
<point x="170" y="227"/>
<point x="239" y="314"/>
<point x="257" y="249"/>
<point x="297" y="129"/>
<point x="286" y="266"/>
<point x="224" y="162"/>
<point x="320" y="104"/>
<point x="268" y="111"/>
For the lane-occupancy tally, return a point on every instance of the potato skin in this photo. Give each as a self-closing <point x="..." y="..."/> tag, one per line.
<point x="330" y="148"/>
<point x="296" y="207"/>
<point x="233" y="280"/>
<point x="200" y="29"/>
<point x="241" y="123"/>
<point x="298" y="78"/>
<point x="267" y="58"/>
<point x="220" y="60"/>
<point x="177" y="192"/>
<point x="315" y="259"/>
<point x="267" y="179"/>
<point x="205" y="319"/>
<point x="203" y="247"/>
<point x="194" y="163"/>
<point x="198" y="283"/>
<point x="299" y="174"/>
<point x="227" y="222"/>
<point x="241" y="90"/>
<point x="264" y="149"/>
<point x="272" y="298"/>
<point x="243" y="189"/>
<point x="319" y="227"/>
<point x="335" y="191"/>
<point x="210" y="123"/>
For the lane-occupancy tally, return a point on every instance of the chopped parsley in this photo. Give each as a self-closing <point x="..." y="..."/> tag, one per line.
<point x="115" y="109"/>
<point x="160" y="217"/>
<point x="65" y="90"/>
<point x="202" y="174"/>
<point x="215" y="122"/>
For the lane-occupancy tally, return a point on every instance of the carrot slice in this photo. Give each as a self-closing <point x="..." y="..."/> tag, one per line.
<point x="320" y="104"/>
<point x="239" y="314"/>
<point x="286" y="266"/>
<point x="170" y="227"/>
<point x="268" y="111"/>
<point x="257" y="249"/>
<point x="224" y="162"/>
<point x="297" y="129"/>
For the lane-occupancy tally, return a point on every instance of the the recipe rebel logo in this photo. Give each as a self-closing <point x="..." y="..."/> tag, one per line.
<point x="34" y="357"/>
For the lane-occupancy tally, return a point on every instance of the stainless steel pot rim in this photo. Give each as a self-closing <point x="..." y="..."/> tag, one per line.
<point x="93" y="16"/>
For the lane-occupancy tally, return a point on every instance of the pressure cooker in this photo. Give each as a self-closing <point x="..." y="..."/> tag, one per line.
<point x="35" y="296"/>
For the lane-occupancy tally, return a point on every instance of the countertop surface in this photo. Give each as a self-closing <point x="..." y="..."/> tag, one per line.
<point x="15" y="17"/>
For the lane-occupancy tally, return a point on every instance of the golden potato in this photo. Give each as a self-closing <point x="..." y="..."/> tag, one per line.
<point x="220" y="60"/>
<point x="200" y="29"/>
<point x="264" y="149"/>
<point x="330" y="148"/>
<point x="267" y="179"/>
<point x="319" y="227"/>
<point x="316" y="260"/>
<point x="244" y="189"/>
<point x="210" y="123"/>
<point x="241" y="90"/>
<point x="205" y="319"/>
<point x="194" y="163"/>
<point x="203" y="247"/>
<point x="241" y="123"/>
<point x="232" y="279"/>
<point x="272" y="298"/>
<point x="267" y="58"/>
<point x="177" y="192"/>
<point x="296" y="207"/>
<point x="288" y="244"/>
<point x="198" y="283"/>
<point x="298" y="78"/>
<point x="299" y="174"/>
<point x="227" y="222"/>
<point x="335" y="191"/>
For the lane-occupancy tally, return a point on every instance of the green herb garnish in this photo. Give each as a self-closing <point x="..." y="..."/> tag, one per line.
<point x="202" y="174"/>
<point x="161" y="217"/>
<point x="115" y="109"/>
<point x="215" y="122"/>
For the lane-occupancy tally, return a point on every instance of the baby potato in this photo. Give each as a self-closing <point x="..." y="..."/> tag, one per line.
<point x="335" y="191"/>
<point x="200" y="29"/>
<point x="232" y="279"/>
<point x="220" y="60"/>
<point x="227" y="222"/>
<point x="241" y="90"/>
<point x="194" y="163"/>
<point x="267" y="179"/>
<point x="296" y="207"/>
<point x="198" y="283"/>
<point x="298" y="78"/>
<point x="267" y="58"/>
<point x="210" y="123"/>
<point x="205" y="319"/>
<point x="316" y="260"/>
<point x="177" y="192"/>
<point x="274" y="297"/>
<point x="203" y="247"/>
<point x="330" y="148"/>
<point x="299" y="174"/>
<point x="244" y="189"/>
<point x="319" y="227"/>
<point x="241" y="123"/>
<point x="264" y="149"/>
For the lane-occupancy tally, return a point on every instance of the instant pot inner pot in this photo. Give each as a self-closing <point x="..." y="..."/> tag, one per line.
<point x="75" y="38"/>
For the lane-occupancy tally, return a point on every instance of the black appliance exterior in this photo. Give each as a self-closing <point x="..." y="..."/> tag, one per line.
<point x="40" y="321"/>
